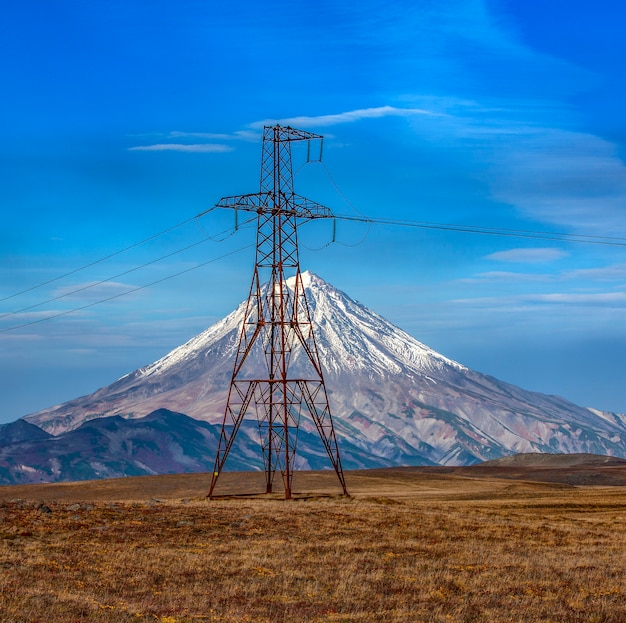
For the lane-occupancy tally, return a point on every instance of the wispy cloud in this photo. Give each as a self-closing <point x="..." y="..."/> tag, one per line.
<point x="191" y="148"/>
<point x="19" y="317"/>
<point x="345" y="117"/>
<point x="570" y="178"/>
<point x="94" y="290"/>
<point x="572" y="298"/>
<point x="531" y="155"/>
<point x="239" y="135"/>
<point x="503" y="276"/>
<point x="615" y="273"/>
<point x="528" y="255"/>
<point x="588" y="299"/>
<point x="252" y="132"/>
<point x="602" y="273"/>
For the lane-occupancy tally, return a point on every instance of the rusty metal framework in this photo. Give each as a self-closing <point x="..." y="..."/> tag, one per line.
<point x="277" y="333"/>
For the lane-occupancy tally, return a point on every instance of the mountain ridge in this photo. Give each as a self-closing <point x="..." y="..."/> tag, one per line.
<point x="162" y="442"/>
<point x="391" y="396"/>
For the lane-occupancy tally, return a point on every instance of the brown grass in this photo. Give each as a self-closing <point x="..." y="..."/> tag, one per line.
<point x="408" y="546"/>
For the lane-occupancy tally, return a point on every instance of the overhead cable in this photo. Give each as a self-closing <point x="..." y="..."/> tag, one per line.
<point x="218" y="237"/>
<point x="102" y="259"/>
<point x="127" y="292"/>
<point x="102" y="281"/>
<point x="108" y="257"/>
<point x="470" y="229"/>
<point x="492" y="231"/>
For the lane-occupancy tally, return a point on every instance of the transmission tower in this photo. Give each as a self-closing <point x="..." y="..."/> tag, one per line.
<point x="277" y="332"/>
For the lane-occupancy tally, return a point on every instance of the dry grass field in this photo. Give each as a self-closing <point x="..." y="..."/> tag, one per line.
<point x="409" y="545"/>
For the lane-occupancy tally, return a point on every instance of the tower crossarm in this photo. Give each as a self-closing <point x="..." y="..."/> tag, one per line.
<point x="282" y="134"/>
<point x="269" y="203"/>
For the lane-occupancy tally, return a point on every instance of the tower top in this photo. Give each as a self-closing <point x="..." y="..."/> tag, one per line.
<point x="276" y="194"/>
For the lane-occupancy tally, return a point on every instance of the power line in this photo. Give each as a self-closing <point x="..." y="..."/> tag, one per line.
<point x="482" y="230"/>
<point x="116" y="296"/>
<point x="98" y="283"/>
<point x="106" y="257"/>
<point x="492" y="231"/>
<point x="517" y="233"/>
<point x="472" y="229"/>
<point x="123" y="273"/>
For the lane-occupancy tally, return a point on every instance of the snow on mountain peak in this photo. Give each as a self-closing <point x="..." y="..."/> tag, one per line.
<point x="391" y="396"/>
<point x="308" y="279"/>
<point x="191" y="348"/>
<point x="349" y="336"/>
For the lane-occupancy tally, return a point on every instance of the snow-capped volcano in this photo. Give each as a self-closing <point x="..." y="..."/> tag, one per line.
<point x="391" y="396"/>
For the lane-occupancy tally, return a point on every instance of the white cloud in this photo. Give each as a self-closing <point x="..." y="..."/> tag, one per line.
<point x="94" y="290"/>
<point x="612" y="273"/>
<point x="572" y="179"/>
<point x="507" y="303"/>
<point x="502" y="276"/>
<point x="240" y="135"/>
<point x="16" y="337"/>
<point x="529" y="155"/>
<point x="603" y="273"/>
<point x="345" y="117"/>
<point x="28" y="316"/>
<point x="195" y="148"/>
<point x="570" y="298"/>
<point x="528" y="255"/>
<point x="252" y="133"/>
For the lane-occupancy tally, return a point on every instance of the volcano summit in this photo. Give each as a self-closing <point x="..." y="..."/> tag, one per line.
<point x="394" y="400"/>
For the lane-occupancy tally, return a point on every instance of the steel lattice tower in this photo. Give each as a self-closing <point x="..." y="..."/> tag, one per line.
<point x="277" y="330"/>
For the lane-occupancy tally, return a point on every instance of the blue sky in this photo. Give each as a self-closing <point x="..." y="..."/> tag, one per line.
<point x="123" y="119"/>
